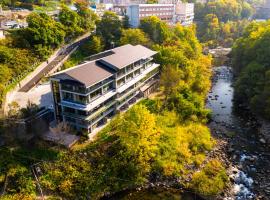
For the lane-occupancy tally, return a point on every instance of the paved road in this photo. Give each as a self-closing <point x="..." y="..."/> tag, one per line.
<point x="31" y="83"/>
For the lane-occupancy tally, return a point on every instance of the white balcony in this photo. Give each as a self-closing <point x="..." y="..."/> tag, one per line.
<point x="138" y="78"/>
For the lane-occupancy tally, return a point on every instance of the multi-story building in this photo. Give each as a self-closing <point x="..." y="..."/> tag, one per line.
<point x="85" y="96"/>
<point x="169" y="13"/>
<point x="266" y="9"/>
<point x="184" y="13"/>
<point x="124" y="2"/>
<point x="137" y="12"/>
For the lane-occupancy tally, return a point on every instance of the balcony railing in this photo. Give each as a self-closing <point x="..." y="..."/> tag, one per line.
<point x="102" y="109"/>
<point x="75" y="89"/>
<point x="69" y="114"/>
<point x="135" y="67"/>
<point x="83" y="90"/>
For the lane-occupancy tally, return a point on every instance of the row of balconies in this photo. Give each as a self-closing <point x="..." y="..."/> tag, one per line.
<point x="121" y="94"/>
<point x="68" y="95"/>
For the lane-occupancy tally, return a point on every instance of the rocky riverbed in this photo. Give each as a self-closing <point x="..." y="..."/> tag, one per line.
<point x="240" y="145"/>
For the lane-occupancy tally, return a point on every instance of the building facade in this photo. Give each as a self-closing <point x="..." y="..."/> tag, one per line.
<point x="124" y="2"/>
<point x="169" y="13"/>
<point x="184" y="13"/>
<point x="85" y="96"/>
<point x="137" y="12"/>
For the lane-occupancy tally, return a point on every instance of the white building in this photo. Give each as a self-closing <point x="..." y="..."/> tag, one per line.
<point x="124" y="2"/>
<point x="184" y="13"/>
<point x="169" y="13"/>
<point x="137" y="12"/>
<point x="87" y="95"/>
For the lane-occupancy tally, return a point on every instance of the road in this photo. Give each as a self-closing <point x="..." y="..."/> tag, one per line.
<point x="31" y="83"/>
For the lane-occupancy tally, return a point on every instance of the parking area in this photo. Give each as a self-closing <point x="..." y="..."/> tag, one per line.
<point x="40" y="95"/>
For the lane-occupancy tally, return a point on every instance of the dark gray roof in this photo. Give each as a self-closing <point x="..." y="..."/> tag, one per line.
<point x="94" y="71"/>
<point x="127" y="54"/>
<point x="88" y="74"/>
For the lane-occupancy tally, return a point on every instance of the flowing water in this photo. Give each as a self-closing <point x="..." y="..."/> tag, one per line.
<point x="249" y="158"/>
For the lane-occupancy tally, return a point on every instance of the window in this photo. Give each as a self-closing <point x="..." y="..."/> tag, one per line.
<point x="69" y="119"/>
<point x="67" y="87"/>
<point x="129" y="68"/>
<point x="121" y="82"/>
<point x="137" y="72"/>
<point x="121" y="72"/>
<point x="81" y="99"/>
<point x="108" y="87"/>
<point x="69" y="110"/>
<point x="67" y="96"/>
<point x="82" y="112"/>
<point x="129" y="77"/>
<point x="96" y="94"/>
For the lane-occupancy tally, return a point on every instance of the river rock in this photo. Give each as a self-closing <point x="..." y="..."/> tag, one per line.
<point x="253" y="169"/>
<point x="262" y="141"/>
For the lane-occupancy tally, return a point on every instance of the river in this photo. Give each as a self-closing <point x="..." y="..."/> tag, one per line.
<point x="246" y="158"/>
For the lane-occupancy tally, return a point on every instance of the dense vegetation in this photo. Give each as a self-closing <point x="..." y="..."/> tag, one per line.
<point x="25" y="48"/>
<point x="38" y="5"/>
<point x="222" y="22"/>
<point x="156" y="140"/>
<point x="163" y="139"/>
<point x="251" y="65"/>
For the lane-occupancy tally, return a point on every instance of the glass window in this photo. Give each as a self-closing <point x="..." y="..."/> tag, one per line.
<point x="121" y="72"/>
<point x="137" y="72"/>
<point x="69" y="110"/>
<point x="129" y="68"/>
<point x="95" y="94"/>
<point x="121" y="82"/>
<point x="67" y="96"/>
<point x="82" y="112"/>
<point x="107" y="87"/>
<point x="81" y="99"/>
<point x="69" y="119"/>
<point x="129" y="77"/>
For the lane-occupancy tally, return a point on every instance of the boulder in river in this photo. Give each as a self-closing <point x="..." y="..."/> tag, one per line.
<point x="262" y="141"/>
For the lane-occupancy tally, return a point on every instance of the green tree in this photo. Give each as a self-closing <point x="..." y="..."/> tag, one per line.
<point x="42" y="34"/>
<point x="71" y="21"/>
<point x="125" y="22"/>
<point x="211" y="180"/>
<point x="157" y="30"/>
<point x="134" y="37"/>
<point x="109" y="28"/>
<point x="92" y="46"/>
<point x="251" y="65"/>
<point x="88" y="17"/>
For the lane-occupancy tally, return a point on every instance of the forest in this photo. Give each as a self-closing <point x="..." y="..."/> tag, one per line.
<point x="221" y="22"/>
<point x="251" y="66"/>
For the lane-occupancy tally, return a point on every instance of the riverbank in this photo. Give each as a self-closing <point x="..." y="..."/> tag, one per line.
<point x="239" y="142"/>
<point x="264" y="131"/>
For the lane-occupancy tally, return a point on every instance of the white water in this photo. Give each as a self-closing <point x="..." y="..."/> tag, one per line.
<point x="242" y="183"/>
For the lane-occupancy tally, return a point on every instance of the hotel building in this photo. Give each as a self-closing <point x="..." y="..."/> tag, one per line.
<point x="169" y="13"/>
<point x="137" y="12"/>
<point x="85" y="96"/>
<point x="184" y="13"/>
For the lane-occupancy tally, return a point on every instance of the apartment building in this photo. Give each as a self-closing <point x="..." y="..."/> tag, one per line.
<point x="137" y="12"/>
<point x="184" y="13"/>
<point x="170" y="13"/>
<point x="124" y="3"/>
<point x="85" y="96"/>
